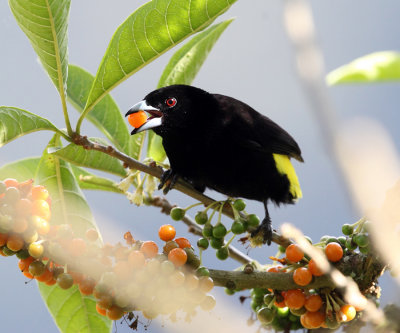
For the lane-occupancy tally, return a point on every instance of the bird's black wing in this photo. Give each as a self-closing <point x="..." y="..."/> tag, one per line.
<point x="254" y="130"/>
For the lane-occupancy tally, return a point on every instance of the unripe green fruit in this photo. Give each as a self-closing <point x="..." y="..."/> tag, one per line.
<point x="201" y="218"/>
<point x="222" y="253"/>
<point x="219" y="231"/>
<point x="202" y="271"/>
<point x="237" y="227"/>
<point x="298" y="312"/>
<point x="177" y="213"/>
<point x="202" y="243"/>
<point x="253" y="220"/>
<point x="216" y="243"/>
<point x="7" y="251"/>
<point x="350" y="244"/>
<point x="207" y="230"/>
<point x="239" y="205"/>
<point x="347" y="229"/>
<point x="37" y="268"/>
<point x="65" y="281"/>
<point x="268" y="299"/>
<point x="229" y="291"/>
<point x="282" y="312"/>
<point x="265" y="315"/>
<point x="23" y="254"/>
<point x="361" y="240"/>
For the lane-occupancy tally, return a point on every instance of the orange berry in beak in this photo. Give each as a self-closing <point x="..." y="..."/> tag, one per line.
<point x="137" y="119"/>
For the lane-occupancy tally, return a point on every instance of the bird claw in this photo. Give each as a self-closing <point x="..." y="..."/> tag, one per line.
<point x="264" y="230"/>
<point x="167" y="181"/>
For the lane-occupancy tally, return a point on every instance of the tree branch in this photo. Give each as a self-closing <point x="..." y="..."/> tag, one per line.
<point x="157" y="171"/>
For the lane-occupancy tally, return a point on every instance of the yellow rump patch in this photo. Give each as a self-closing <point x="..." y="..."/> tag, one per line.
<point x="285" y="167"/>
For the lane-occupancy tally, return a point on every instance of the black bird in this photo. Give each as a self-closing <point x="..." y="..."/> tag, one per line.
<point x="218" y="142"/>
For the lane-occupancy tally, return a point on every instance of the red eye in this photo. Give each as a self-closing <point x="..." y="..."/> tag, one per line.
<point x="170" y="102"/>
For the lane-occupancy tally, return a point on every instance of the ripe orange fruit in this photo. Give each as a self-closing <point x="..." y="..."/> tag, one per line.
<point x="314" y="319"/>
<point x="115" y="312"/>
<point x="313" y="303"/>
<point x="177" y="256"/>
<point x="86" y="286"/>
<point x="294" y="253"/>
<point x="313" y="268"/>
<point x="295" y="299"/>
<point x="302" y="276"/>
<point x="41" y="208"/>
<point x="166" y="232"/>
<point x="149" y="249"/>
<point x="136" y="259"/>
<point x="334" y="252"/>
<point x="15" y="242"/>
<point x="137" y="119"/>
<point x="3" y="239"/>
<point x="39" y="192"/>
<point x="10" y="182"/>
<point x="183" y="242"/>
<point x="100" y="310"/>
<point x="348" y="311"/>
<point x="46" y="276"/>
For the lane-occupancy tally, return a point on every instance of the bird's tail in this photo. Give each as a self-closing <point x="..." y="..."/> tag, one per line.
<point x="285" y="167"/>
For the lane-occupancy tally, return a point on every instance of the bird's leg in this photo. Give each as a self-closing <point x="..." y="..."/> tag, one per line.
<point x="265" y="228"/>
<point x="168" y="180"/>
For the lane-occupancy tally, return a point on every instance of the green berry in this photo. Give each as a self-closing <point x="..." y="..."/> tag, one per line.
<point x="7" y="251"/>
<point x="282" y="312"/>
<point x="207" y="230"/>
<point x="347" y="229"/>
<point x="266" y="315"/>
<point x="202" y="271"/>
<point x="294" y="326"/>
<point x="237" y="227"/>
<point x="268" y="299"/>
<point x="361" y="240"/>
<point x="281" y="249"/>
<point x="177" y="213"/>
<point x="222" y="253"/>
<point x="203" y="243"/>
<point x="239" y="205"/>
<point x="365" y="249"/>
<point x="298" y="312"/>
<point x="366" y="226"/>
<point x="350" y="244"/>
<point x="342" y="240"/>
<point x="277" y="324"/>
<point x="219" y="231"/>
<point x="64" y="280"/>
<point x="332" y="323"/>
<point x="253" y="220"/>
<point x="323" y="239"/>
<point x="23" y="254"/>
<point x="229" y="291"/>
<point x="37" y="268"/>
<point x="332" y="240"/>
<point x="309" y="239"/>
<point x="216" y="243"/>
<point x="201" y="218"/>
<point x="293" y="318"/>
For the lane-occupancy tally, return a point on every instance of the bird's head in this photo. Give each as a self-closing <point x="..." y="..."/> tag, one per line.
<point x="172" y="108"/>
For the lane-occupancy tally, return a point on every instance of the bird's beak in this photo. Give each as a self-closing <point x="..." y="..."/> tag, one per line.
<point x="154" y="120"/>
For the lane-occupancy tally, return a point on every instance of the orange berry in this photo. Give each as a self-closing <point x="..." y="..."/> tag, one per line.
<point x="51" y="282"/>
<point x="15" y="242"/>
<point x="28" y="275"/>
<point x="23" y="264"/>
<point x="122" y="270"/>
<point x="313" y="268"/>
<point x="166" y="232"/>
<point x="43" y="228"/>
<point x="136" y="259"/>
<point x="100" y="310"/>
<point x="86" y="286"/>
<point x="314" y="319"/>
<point x="115" y="312"/>
<point x="295" y="299"/>
<point x="46" y="276"/>
<point x="313" y="303"/>
<point x="92" y="234"/>
<point x="23" y="208"/>
<point x="302" y="276"/>
<point x="10" y="182"/>
<point x="149" y="249"/>
<point x="77" y="247"/>
<point x="281" y="304"/>
<point x="334" y="252"/>
<point x="41" y="208"/>
<point x="348" y="311"/>
<point x="182" y="242"/>
<point x="294" y="253"/>
<point x="177" y="256"/>
<point x="137" y="119"/>
<point x="39" y="192"/>
<point x="76" y="276"/>
<point x="275" y="269"/>
<point x="3" y="239"/>
<point x="303" y="321"/>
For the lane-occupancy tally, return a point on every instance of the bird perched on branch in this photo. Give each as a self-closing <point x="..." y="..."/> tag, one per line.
<point x="218" y="142"/>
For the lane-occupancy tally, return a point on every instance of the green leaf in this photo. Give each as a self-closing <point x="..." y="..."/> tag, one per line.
<point x="90" y="181"/>
<point x="45" y="23"/>
<point x="77" y="155"/>
<point x="374" y="67"/>
<point x="146" y="34"/>
<point x="106" y="115"/>
<point x="15" y="122"/>
<point x="182" y="69"/>
<point x="74" y="312"/>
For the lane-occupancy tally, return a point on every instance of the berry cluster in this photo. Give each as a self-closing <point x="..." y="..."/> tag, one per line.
<point x="214" y="235"/>
<point x="122" y="278"/>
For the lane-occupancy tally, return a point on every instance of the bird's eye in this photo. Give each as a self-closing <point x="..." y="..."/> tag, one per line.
<point x="170" y="102"/>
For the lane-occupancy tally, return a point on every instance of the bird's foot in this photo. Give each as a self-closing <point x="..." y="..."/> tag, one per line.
<point x="167" y="181"/>
<point x="263" y="231"/>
